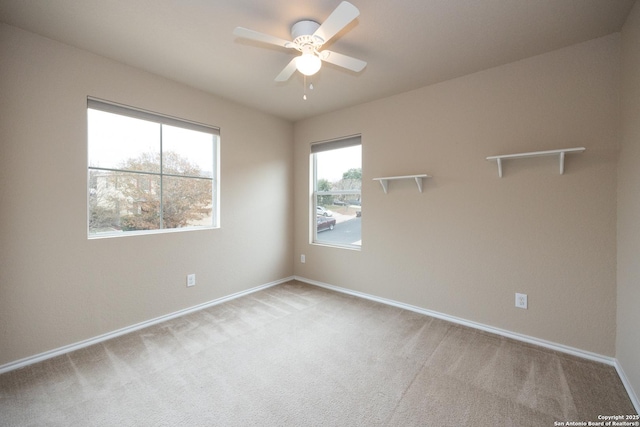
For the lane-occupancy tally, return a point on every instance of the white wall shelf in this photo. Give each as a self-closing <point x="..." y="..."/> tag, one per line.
<point x="385" y="180"/>
<point x="561" y="153"/>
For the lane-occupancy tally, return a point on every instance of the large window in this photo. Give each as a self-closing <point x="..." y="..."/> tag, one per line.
<point x="148" y="172"/>
<point x="337" y="197"/>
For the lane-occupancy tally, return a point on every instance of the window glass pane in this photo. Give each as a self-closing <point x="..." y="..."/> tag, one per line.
<point x="187" y="152"/>
<point x="119" y="142"/>
<point x="187" y="202"/>
<point x="149" y="171"/>
<point x="331" y="165"/>
<point x="338" y="196"/>
<point x="120" y="201"/>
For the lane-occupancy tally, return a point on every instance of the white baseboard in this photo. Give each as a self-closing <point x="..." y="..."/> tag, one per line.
<point x="514" y="335"/>
<point x="520" y="337"/>
<point x="627" y="385"/>
<point x="95" y="340"/>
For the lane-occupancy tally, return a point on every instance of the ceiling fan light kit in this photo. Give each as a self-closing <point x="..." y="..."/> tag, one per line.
<point x="308" y="38"/>
<point x="309" y="62"/>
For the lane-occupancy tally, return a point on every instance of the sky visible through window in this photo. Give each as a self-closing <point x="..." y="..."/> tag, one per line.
<point x="118" y="138"/>
<point x="332" y="164"/>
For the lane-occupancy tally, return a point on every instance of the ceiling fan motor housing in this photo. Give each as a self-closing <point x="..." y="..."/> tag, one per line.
<point x="302" y="34"/>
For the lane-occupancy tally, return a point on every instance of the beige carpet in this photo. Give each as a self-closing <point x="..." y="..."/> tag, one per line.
<point x="298" y="355"/>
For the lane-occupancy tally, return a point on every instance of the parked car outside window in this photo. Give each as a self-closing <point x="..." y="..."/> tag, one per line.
<point x="325" y="223"/>
<point x="322" y="211"/>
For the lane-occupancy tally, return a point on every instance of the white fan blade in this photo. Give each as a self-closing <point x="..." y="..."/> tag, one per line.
<point x="288" y="71"/>
<point x="343" y="61"/>
<point x="339" y="18"/>
<point x="260" y="37"/>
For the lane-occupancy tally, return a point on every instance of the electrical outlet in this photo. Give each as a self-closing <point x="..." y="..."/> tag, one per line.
<point x="303" y="259"/>
<point x="521" y="301"/>
<point x="191" y="279"/>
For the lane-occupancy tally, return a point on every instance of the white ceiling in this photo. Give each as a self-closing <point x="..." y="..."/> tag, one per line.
<point x="407" y="43"/>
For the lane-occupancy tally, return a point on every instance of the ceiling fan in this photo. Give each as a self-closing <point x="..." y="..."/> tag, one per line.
<point x="308" y="38"/>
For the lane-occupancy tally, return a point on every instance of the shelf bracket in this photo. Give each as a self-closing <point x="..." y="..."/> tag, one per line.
<point x="385" y="185"/>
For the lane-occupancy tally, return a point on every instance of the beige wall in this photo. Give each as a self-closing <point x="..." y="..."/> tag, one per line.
<point x="471" y="240"/>
<point x="628" y="332"/>
<point x="463" y="247"/>
<point x="57" y="287"/>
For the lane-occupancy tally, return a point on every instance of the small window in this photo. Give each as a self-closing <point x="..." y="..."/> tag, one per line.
<point x="148" y="172"/>
<point x="337" y="197"/>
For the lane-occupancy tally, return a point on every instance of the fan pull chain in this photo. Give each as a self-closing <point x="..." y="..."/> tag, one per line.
<point x="304" y="93"/>
<point x="304" y="88"/>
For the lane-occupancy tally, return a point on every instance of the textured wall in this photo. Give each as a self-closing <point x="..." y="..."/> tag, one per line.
<point x="57" y="287"/>
<point x="471" y="240"/>
<point x="628" y="338"/>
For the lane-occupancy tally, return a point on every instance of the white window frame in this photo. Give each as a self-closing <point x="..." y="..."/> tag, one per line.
<point x="318" y="147"/>
<point x="132" y="112"/>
